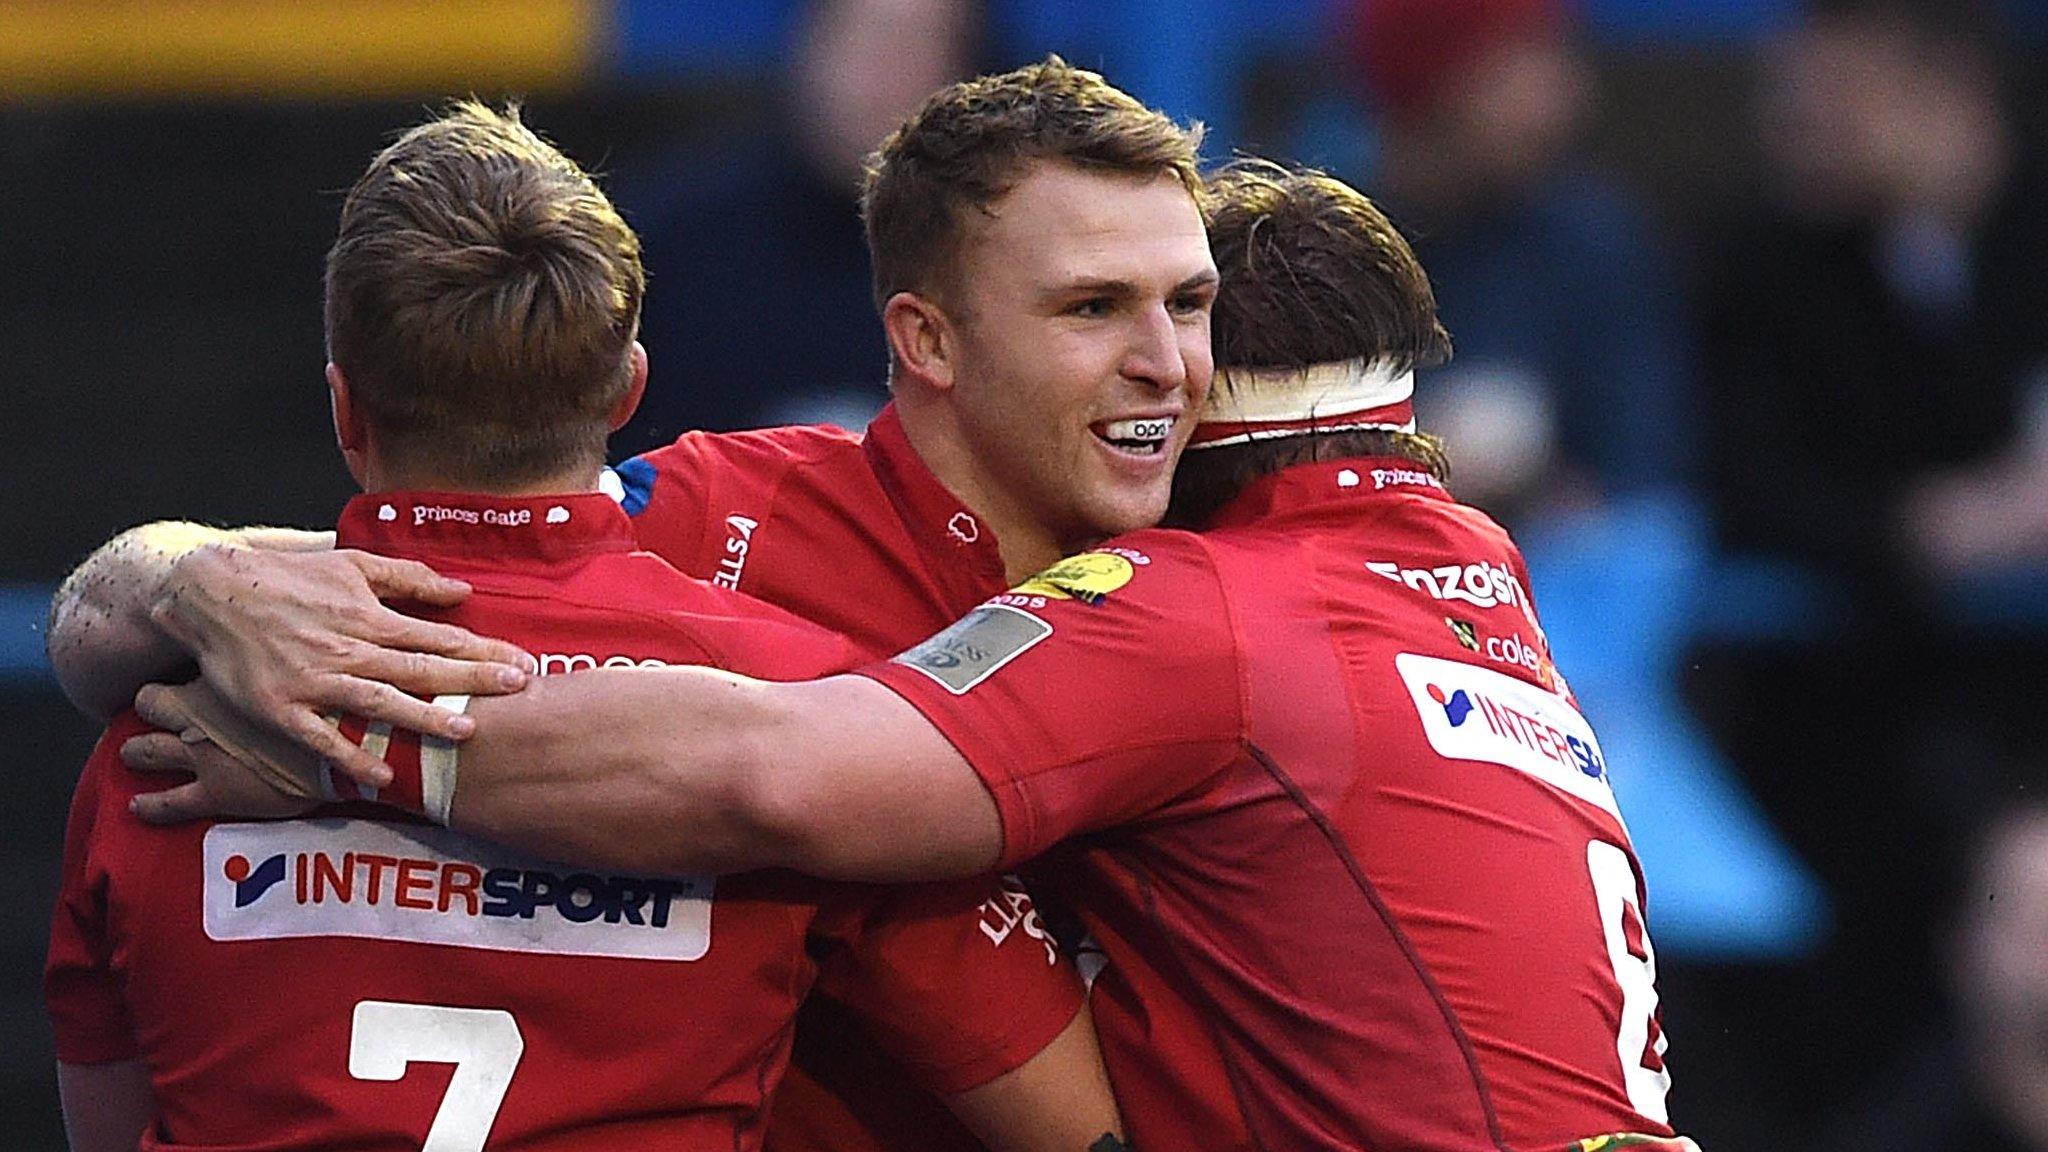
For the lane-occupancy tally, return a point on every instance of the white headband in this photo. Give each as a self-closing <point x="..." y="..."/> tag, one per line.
<point x="1249" y="404"/>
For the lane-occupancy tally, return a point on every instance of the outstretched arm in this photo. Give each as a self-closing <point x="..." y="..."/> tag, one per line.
<point x="666" y="770"/>
<point x="696" y="770"/>
<point x="283" y="625"/>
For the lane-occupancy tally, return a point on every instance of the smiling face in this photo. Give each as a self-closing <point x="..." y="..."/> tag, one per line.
<point x="1078" y="309"/>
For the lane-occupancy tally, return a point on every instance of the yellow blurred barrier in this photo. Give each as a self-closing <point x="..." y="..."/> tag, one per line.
<point x="293" y="47"/>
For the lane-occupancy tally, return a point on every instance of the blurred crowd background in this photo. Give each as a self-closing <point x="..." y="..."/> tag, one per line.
<point x="1750" y="300"/>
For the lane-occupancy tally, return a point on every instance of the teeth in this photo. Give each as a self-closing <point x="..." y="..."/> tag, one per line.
<point x="1155" y="429"/>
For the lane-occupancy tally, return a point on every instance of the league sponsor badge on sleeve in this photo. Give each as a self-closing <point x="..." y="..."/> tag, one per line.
<point x="975" y="646"/>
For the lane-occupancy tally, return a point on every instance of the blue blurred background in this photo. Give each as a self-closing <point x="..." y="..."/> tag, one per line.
<point x="1748" y="297"/>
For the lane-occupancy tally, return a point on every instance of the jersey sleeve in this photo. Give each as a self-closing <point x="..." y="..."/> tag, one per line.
<point x="1102" y="691"/>
<point x="960" y="981"/>
<point x="80" y="988"/>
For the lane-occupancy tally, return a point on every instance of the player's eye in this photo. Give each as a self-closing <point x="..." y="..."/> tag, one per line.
<point x="1092" y="306"/>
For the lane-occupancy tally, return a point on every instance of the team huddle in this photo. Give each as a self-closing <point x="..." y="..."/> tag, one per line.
<point x="797" y="789"/>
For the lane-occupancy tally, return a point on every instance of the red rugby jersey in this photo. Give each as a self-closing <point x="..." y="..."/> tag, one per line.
<point x="850" y="532"/>
<point x="342" y="981"/>
<point x="1329" y="789"/>
<point x="854" y="533"/>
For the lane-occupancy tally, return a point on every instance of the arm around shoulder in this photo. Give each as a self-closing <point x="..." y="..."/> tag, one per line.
<point x="697" y="770"/>
<point x="104" y="641"/>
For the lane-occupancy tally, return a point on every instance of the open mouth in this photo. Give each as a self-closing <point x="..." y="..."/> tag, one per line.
<point x="1143" y="436"/>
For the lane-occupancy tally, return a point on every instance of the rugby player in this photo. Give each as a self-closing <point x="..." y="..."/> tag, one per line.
<point x="267" y="985"/>
<point x="1304" y="795"/>
<point x="1044" y="283"/>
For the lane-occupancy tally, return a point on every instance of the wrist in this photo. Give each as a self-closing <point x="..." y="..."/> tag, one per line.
<point x="422" y="767"/>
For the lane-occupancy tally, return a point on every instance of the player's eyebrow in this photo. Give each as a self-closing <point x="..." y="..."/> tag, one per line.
<point x="1120" y="288"/>
<point x="1092" y="286"/>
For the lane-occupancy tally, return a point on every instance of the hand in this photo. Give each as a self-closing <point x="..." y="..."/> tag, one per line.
<point x="288" y="638"/>
<point x="237" y="770"/>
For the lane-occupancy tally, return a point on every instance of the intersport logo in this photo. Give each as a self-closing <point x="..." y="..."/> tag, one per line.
<point x="362" y="878"/>
<point x="1474" y="713"/>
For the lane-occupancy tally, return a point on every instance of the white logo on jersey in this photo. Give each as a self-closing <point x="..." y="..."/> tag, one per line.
<point x="1383" y="477"/>
<point x="560" y="663"/>
<point x="1474" y="713"/>
<point x="445" y="514"/>
<point x="1512" y="649"/>
<point x="361" y="878"/>
<point x="739" y="537"/>
<point x="1482" y="585"/>
<point x="1010" y="909"/>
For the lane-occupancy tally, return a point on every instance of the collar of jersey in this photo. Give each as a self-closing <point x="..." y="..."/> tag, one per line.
<point x="489" y="528"/>
<point x="952" y="535"/>
<point x="1326" y="482"/>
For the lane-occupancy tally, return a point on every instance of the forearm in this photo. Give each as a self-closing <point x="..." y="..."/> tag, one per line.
<point x="693" y="770"/>
<point x="669" y="770"/>
<point x="104" y="640"/>
<point x="649" y="771"/>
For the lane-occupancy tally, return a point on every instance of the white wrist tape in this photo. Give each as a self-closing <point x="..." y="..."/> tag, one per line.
<point x="437" y="766"/>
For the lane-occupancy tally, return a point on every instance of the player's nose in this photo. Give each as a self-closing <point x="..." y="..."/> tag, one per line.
<point x="1155" y="356"/>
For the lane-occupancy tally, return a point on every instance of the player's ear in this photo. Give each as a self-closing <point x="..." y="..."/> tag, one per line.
<point x="921" y="340"/>
<point x="636" y="388"/>
<point x="348" y="421"/>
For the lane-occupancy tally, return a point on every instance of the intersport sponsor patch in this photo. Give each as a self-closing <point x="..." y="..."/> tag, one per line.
<point x="1474" y="713"/>
<point x="425" y="885"/>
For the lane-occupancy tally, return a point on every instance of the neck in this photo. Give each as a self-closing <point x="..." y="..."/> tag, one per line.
<point x="1209" y="479"/>
<point x="1027" y="546"/>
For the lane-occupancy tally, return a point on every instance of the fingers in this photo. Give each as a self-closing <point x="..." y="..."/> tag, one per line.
<point x="429" y="659"/>
<point x="342" y="754"/>
<point x="158" y="752"/>
<point x="161" y="706"/>
<point x="408" y="580"/>
<point x="298" y="639"/>
<point x="374" y="701"/>
<point x="177" y="805"/>
<point x="171" y="753"/>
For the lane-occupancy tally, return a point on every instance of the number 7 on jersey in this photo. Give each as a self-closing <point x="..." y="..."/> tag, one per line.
<point x="484" y="1044"/>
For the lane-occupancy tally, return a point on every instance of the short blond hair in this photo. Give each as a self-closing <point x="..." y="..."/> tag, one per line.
<point x="971" y="142"/>
<point x="482" y="299"/>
